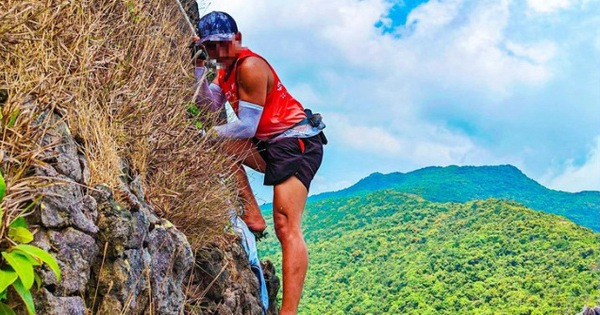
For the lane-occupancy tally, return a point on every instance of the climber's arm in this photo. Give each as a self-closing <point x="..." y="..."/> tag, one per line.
<point x="208" y="94"/>
<point x="253" y="76"/>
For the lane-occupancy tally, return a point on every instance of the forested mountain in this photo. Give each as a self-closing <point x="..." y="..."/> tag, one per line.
<point x="466" y="183"/>
<point x="391" y="252"/>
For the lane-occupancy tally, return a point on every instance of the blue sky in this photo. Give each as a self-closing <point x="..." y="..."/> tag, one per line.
<point x="408" y="84"/>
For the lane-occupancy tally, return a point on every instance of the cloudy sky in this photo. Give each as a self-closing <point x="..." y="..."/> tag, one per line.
<point x="408" y="84"/>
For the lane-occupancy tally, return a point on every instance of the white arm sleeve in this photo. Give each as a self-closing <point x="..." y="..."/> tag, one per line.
<point x="206" y="94"/>
<point x="245" y="127"/>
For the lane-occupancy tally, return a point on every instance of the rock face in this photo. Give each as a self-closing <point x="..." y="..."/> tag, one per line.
<point x="222" y="283"/>
<point x="123" y="259"/>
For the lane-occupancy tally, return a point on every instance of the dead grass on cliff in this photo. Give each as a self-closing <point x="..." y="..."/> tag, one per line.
<point x="19" y="149"/>
<point x="119" y="72"/>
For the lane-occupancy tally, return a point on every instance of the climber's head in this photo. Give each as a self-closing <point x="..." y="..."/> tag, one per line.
<point x="219" y="34"/>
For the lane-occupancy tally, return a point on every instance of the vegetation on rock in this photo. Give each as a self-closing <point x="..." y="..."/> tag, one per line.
<point x="119" y="73"/>
<point x="19" y="259"/>
<point x="116" y="76"/>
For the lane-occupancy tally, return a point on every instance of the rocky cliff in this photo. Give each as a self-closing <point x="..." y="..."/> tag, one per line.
<point x="120" y="257"/>
<point x="94" y="99"/>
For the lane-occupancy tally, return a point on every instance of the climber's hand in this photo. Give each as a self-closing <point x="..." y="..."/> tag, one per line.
<point x="198" y="52"/>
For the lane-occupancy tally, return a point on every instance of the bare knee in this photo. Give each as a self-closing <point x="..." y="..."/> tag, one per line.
<point x="285" y="229"/>
<point x="288" y="204"/>
<point x="281" y="225"/>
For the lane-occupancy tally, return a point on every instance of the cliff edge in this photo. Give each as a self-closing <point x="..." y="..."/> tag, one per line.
<point x="102" y="158"/>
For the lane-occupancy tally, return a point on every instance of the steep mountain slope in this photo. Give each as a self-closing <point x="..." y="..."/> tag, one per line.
<point x="461" y="184"/>
<point x="394" y="253"/>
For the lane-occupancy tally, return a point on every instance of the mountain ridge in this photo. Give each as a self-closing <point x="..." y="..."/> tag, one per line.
<point x="468" y="183"/>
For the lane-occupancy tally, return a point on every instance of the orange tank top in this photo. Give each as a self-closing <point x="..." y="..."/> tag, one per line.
<point x="281" y="111"/>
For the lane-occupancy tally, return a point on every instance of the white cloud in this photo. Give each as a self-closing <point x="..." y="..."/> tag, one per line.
<point x="553" y="6"/>
<point x="366" y="139"/>
<point x="420" y="145"/>
<point x="305" y="92"/>
<point x="435" y="145"/>
<point x="309" y="15"/>
<point x="434" y="16"/>
<point x="548" y="6"/>
<point x="577" y="178"/>
<point x="466" y="48"/>
<point x="541" y="52"/>
<point x="502" y="70"/>
<point x="451" y="43"/>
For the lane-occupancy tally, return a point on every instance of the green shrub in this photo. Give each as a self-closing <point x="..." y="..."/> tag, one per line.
<point x="18" y="260"/>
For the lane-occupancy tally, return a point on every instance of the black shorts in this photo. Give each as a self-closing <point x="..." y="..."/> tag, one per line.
<point x="300" y="157"/>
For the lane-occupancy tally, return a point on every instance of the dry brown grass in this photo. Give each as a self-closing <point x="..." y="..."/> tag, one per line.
<point x="119" y="72"/>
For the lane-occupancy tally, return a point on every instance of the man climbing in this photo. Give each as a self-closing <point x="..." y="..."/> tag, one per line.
<point x="273" y="135"/>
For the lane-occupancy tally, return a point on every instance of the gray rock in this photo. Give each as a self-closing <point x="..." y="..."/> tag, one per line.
<point x="64" y="204"/>
<point x="62" y="149"/>
<point x="149" y="214"/>
<point x="85" y="170"/>
<point x="48" y="304"/>
<point x="224" y="282"/>
<point x="273" y="286"/>
<point x="114" y="221"/>
<point x="58" y="199"/>
<point x="136" y="188"/>
<point x="125" y="281"/>
<point x="110" y="305"/>
<point x="84" y="215"/>
<point x="239" y="301"/>
<point x="75" y="252"/>
<point x="146" y="265"/>
<point x="139" y="262"/>
<point x="42" y="241"/>
<point x="141" y="225"/>
<point x="248" y="284"/>
<point x="131" y="200"/>
<point x="211" y="273"/>
<point x="52" y="217"/>
<point x="90" y="209"/>
<point x="171" y="260"/>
